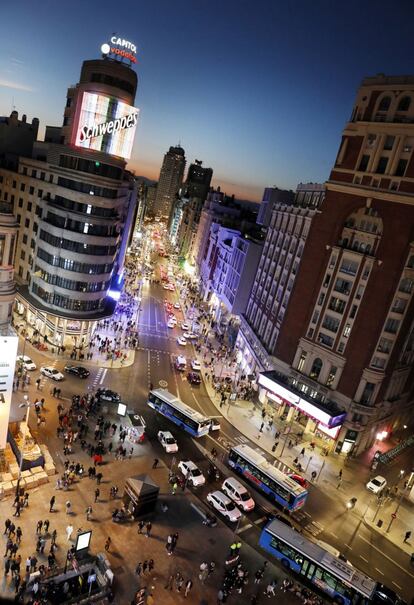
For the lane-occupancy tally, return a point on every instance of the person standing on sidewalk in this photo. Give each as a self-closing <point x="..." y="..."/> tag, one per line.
<point x="97" y="494"/>
<point x="148" y="528"/>
<point x="407" y="536"/>
<point x="188" y="587"/>
<point x="52" y="504"/>
<point x="107" y="543"/>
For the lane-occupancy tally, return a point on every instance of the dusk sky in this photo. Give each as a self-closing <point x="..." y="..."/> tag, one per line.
<point x="259" y="91"/>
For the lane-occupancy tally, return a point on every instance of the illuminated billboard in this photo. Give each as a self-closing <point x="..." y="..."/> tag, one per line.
<point x="106" y="124"/>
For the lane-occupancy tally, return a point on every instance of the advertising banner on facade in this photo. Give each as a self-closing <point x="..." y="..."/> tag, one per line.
<point x="106" y="124"/>
<point x="8" y="352"/>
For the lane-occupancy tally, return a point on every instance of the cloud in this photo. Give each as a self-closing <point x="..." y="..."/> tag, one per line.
<point x="16" y="61"/>
<point x="15" y="85"/>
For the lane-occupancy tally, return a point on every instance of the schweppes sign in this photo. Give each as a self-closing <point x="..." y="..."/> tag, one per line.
<point x="110" y="127"/>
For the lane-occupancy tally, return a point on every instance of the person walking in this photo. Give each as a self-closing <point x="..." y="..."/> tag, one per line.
<point x="107" y="543"/>
<point x="141" y="525"/>
<point x="148" y="528"/>
<point x="188" y="587"/>
<point x="407" y="536"/>
<point x="39" y="527"/>
<point x="46" y="526"/>
<point x="7" y="524"/>
<point x="170" y="582"/>
<point x="138" y="569"/>
<point x="19" y="534"/>
<point x="52" y="504"/>
<point x="88" y="513"/>
<point x="69" y="531"/>
<point x="68" y="506"/>
<point x="340" y="474"/>
<point x="155" y="463"/>
<point x="97" y="494"/>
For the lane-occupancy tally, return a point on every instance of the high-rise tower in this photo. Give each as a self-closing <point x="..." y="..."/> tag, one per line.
<point x="170" y="181"/>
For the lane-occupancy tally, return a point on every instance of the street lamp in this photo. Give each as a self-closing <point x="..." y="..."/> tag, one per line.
<point x="26" y="404"/>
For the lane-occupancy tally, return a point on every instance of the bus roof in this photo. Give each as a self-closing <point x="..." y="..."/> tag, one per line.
<point x="274" y="473"/>
<point x="177" y="403"/>
<point x="343" y="570"/>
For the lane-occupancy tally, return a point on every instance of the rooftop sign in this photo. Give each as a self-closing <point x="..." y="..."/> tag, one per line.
<point x="121" y="48"/>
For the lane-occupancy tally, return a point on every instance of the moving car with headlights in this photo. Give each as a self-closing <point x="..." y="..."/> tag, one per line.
<point x="191" y="472"/>
<point x="195" y="365"/>
<point x="108" y="395"/>
<point x="181" y="341"/>
<point x="194" y="378"/>
<point x="377" y="484"/>
<point x="224" y="505"/>
<point x="79" y="371"/>
<point x="26" y="362"/>
<point x="52" y="373"/>
<point x="167" y="441"/>
<point x="185" y="326"/>
<point x="171" y="323"/>
<point x="238" y="493"/>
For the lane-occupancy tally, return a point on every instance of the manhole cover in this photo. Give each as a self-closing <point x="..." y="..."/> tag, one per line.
<point x="163" y="384"/>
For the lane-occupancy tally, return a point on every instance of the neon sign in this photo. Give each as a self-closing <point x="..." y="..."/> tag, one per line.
<point x="122" y="48"/>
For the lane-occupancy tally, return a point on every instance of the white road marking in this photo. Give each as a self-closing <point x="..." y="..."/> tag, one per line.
<point x="379" y="571"/>
<point x="260" y="520"/>
<point x="244" y="528"/>
<point x="386" y="556"/>
<point x="103" y="376"/>
<point x="334" y="535"/>
<point x="350" y="547"/>
<point x="397" y="585"/>
<point x="363" y="558"/>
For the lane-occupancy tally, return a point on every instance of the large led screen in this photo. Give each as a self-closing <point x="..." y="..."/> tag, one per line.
<point x="106" y="124"/>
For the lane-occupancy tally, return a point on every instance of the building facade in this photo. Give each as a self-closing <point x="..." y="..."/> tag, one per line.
<point x="346" y="339"/>
<point x="74" y="202"/>
<point x="170" y="181"/>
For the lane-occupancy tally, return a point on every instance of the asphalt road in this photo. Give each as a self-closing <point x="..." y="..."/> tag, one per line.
<point x="324" y="516"/>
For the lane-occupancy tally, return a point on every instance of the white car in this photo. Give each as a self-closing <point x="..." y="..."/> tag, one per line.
<point x="185" y="326"/>
<point x="195" y="365"/>
<point x="190" y="335"/>
<point x="215" y="424"/>
<point x="52" y="373"/>
<point x="191" y="472"/>
<point x="171" y="323"/>
<point x="181" y="363"/>
<point x="238" y="493"/>
<point x="26" y="362"/>
<point x="166" y="287"/>
<point x="224" y="505"/>
<point x="172" y="318"/>
<point x="181" y="341"/>
<point x="377" y="484"/>
<point x="177" y="305"/>
<point x="167" y="441"/>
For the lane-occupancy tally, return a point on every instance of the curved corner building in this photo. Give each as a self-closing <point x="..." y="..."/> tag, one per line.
<point x="76" y="206"/>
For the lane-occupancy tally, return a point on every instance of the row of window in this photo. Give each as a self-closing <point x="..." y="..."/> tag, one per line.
<point x="90" y="166"/>
<point x="87" y="188"/>
<point x="63" y="302"/>
<point x="81" y="227"/>
<point x="59" y="242"/>
<point x="70" y="284"/>
<point x="85" y="208"/>
<point x="71" y="265"/>
<point x="382" y="165"/>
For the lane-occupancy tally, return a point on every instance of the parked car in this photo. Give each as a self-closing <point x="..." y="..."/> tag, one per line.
<point x="108" y="395"/>
<point x="185" y="326"/>
<point x="193" y="378"/>
<point x="177" y="305"/>
<point x="215" y="424"/>
<point x="195" y="365"/>
<point x="79" y="371"/>
<point x="377" y="484"/>
<point x="299" y="479"/>
<point x="180" y="363"/>
<point x="191" y="472"/>
<point x="190" y="335"/>
<point x="181" y="341"/>
<point x="26" y="362"/>
<point x="171" y="323"/>
<point x="167" y="441"/>
<point x="52" y="373"/>
<point x="238" y="493"/>
<point x="222" y="503"/>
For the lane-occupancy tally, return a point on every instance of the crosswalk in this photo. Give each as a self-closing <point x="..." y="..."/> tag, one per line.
<point x="99" y="378"/>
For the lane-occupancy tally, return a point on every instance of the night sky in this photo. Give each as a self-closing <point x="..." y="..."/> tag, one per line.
<point x="258" y="90"/>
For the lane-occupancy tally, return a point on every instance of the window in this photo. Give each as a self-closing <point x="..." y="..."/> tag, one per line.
<point x="353" y="311"/>
<point x="22" y="254"/>
<point x="399" y="305"/>
<point x="411" y="262"/>
<point x="24" y="239"/>
<point x="20" y="202"/>
<point x="24" y="170"/>
<point x="382" y="165"/>
<point x="392" y="325"/>
<point x="347" y="330"/>
<point x="14" y="184"/>
<point x="337" y="305"/>
<point x="363" y="163"/>
<point x="404" y="104"/>
<point x="359" y="292"/>
<point x="18" y="217"/>
<point x="316" y="368"/>
<point x="29" y="206"/>
<point x="27" y="222"/>
<point x="384" y="104"/>
<point x="406" y="285"/>
<point x="378" y="362"/>
<point x="349" y="266"/>
<point x="389" y="142"/>
<point x="315" y="317"/>
<point x="331" y="376"/>
<point x="341" y="347"/>
<point x="22" y="187"/>
<point x="401" y="166"/>
<point x="42" y="176"/>
<point x="301" y="362"/>
<point x="322" y="297"/>
<point x="367" y="394"/>
<point x="331" y="323"/>
<point x="384" y="345"/>
<point x="327" y="280"/>
<point x="31" y="190"/>
<point x="343" y="286"/>
<point x="40" y="193"/>
<point x="34" y="173"/>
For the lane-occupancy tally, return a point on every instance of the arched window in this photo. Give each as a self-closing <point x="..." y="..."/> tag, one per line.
<point x="404" y="104"/>
<point x="384" y="104"/>
<point x="316" y="368"/>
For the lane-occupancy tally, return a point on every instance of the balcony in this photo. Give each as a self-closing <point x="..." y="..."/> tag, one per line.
<point x="366" y="410"/>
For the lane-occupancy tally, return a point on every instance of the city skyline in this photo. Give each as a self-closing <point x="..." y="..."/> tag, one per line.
<point x="260" y="97"/>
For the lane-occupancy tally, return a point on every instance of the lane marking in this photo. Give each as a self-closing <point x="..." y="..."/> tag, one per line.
<point x="244" y="528"/>
<point x="260" y="520"/>
<point x="397" y="585"/>
<point x="334" y="535"/>
<point x="386" y="556"/>
<point x="364" y="559"/>
<point x="103" y="376"/>
<point x="378" y="570"/>
<point x="347" y="545"/>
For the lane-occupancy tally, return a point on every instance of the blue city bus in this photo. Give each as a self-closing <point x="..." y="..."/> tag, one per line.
<point x="178" y="412"/>
<point x="277" y="486"/>
<point x="335" y="577"/>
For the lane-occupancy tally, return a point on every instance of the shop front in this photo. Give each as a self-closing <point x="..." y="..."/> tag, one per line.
<point x="322" y="420"/>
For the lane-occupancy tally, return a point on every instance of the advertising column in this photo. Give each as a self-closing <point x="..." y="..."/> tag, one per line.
<point x="8" y="352"/>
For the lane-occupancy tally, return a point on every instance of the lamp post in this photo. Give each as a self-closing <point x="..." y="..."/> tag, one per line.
<point x="394" y="514"/>
<point x="26" y="404"/>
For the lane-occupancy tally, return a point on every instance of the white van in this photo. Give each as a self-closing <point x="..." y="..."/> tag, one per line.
<point x="180" y="363"/>
<point x="238" y="493"/>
